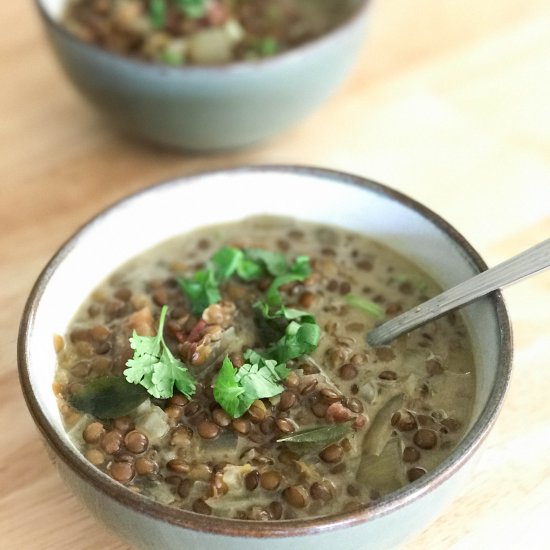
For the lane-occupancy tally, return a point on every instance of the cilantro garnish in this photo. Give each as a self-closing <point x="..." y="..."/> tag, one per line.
<point x="157" y="13"/>
<point x="194" y="9"/>
<point x="250" y="264"/>
<point x="301" y="335"/>
<point x="202" y="289"/>
<point x="298" y="271"/>
<point x="236" y="389"/>
<point x="299" y="339"/>
<point x="155" y="368"/>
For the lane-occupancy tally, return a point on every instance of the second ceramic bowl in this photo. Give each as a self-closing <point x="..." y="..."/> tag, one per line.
<point x="208" y="108"/>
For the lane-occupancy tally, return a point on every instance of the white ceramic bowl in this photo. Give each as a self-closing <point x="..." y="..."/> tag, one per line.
<point x="184" y="204"/>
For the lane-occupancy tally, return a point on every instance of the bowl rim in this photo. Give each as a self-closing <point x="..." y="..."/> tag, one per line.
<point x="293" y="54"/>
<point x="282" y="528"/>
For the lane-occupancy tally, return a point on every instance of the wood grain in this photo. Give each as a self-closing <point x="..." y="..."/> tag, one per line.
<point x="449" y="103"/>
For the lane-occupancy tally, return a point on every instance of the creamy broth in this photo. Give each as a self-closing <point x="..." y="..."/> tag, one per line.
<point x="386" y="416"/>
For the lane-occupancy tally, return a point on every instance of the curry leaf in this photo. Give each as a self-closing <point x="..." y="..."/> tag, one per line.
<point x="317" y="434"/>
<point x="108" y="397"/>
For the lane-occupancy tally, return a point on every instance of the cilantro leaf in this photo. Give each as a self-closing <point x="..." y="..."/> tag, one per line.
<point x="236" y="389"/>
<point x="274" y="262"/>
<point x="157" y="13"/>
<point x="228" y="392"/>
<point x="194" y="9"/>
<point x="226" y="261"/>
<point x="299" y="339"/>
<point x="202" y="290"/>
<point x="298" y="271"/>
<point x="155" y="368"/>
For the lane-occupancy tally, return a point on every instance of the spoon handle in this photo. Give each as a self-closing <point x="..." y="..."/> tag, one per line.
<point x="529" y="262"/>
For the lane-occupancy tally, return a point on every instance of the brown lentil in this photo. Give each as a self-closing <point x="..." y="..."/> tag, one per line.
<point x="355" y="405"/>
<point x="388" y="375"/>
<point x="136" y="442"/>
<point x="415" y="473"/>
<point x="410" y="454"/>
<point x="221" y="418"/>
<point x="287" y="400"/>
<point x="425" y="439"/>
<point x="93" y="432"/>
<point x="200" y="507"/>
<point x="257" y="411"/>
<point x="252" y="479"/>
<point x="284" y="425"/>
<point x="451" y="424"/>
<point x="384" y="354"/>
<point x="208" y="430"/>
<point x="270" y="480"/>
<point x="178" y="466"/>
<point x="320" y="491"/>
<point x="404" y="421"/>
<point x="308" y="300"/>
<point x="241" y="426"/>
<point x="332" y="454"/>
<point x="95" y="456"/>
<point x="111" y="442"/>
<point x="319" y="409"/>
<point x="267" y="425"/>
<point x="145" y="466"/>
<point x="347" y="371"/>
<point x="275" y="510"/>
<point x="123" y="472"/>
<point x="123" y="424"/>
<point x="184" y="487"/>
<point x="296" y="495"/>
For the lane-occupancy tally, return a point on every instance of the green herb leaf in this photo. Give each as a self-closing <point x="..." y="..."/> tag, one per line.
<point x="369" y="307"/>
<point x="268" y="46"/>
<point x="318" y="434"/>
<point x="284" y="313"/>
<point x="155" y="368"/>
<point x="236" y="389"/>
<point x="275" y="263"/>
<point x="226" y="261"/>
<point x="108" y="397"/>
<point x="299" y="339"/>
<point x="157" y="13"/>
<point x="228" y="392"/>
<point x="194" y="9"/>
<point x="299" y="271"/>
<point x="202" y="290"/>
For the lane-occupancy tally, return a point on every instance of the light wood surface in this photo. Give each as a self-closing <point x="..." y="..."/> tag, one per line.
<point x="449" y="104"/>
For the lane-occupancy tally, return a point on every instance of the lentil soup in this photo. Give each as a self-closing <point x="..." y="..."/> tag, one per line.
<point x="203" y="32"/>
<point x="226" y="371"/>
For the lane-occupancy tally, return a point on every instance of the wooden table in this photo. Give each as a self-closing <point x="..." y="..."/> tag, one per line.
<point x="449" y="103"/>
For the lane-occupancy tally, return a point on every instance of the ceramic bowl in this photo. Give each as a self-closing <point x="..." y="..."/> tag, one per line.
<point x="310" y="194"/>
<point x="208" y="108"/>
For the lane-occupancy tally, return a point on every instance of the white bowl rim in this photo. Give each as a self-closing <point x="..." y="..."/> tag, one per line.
<point x="239" y="67"/>
<point x="282" y="528"/>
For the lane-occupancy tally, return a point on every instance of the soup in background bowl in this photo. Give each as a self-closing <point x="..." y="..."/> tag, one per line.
<point x="307" y="491"/>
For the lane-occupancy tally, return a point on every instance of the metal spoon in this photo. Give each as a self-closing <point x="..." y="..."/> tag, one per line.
<point x="527" y="263"/>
